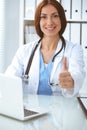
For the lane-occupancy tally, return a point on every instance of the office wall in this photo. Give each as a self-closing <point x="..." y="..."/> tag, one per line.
<point x="2" y="34"/>
<point x="11" y="31"/>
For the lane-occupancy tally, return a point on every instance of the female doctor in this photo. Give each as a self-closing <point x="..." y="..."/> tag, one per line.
<point x="51" y="65"/>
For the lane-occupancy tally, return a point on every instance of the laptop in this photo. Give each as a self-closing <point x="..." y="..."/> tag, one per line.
<point x="11" y="99"/>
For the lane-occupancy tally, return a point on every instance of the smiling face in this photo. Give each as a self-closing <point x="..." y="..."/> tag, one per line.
<point x="50" y="23"/>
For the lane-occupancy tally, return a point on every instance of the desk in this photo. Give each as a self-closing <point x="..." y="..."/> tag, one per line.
<point x="64" y="114"/>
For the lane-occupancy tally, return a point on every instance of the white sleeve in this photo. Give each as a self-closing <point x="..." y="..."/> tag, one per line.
<point x="76" y="69"/>
<point x="16" y="66"/>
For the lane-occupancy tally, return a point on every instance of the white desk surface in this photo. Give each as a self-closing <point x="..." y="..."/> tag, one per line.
<point x="64" y="114"/>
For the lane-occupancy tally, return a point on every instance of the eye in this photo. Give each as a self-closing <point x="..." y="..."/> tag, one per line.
<point x="56" y="16"/>
<point x="43" y="17"/>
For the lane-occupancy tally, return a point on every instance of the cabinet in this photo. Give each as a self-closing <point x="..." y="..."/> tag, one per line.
<point x="76" y="13"/>
<point x="27" y="30"/>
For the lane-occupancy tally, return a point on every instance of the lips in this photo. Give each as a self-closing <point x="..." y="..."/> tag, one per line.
<point x="50" y="28"/>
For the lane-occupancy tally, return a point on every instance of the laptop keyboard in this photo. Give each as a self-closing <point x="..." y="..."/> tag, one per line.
<point x="29" y="112"/>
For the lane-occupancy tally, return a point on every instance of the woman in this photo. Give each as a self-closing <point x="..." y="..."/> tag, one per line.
<point x="57" y="65"/>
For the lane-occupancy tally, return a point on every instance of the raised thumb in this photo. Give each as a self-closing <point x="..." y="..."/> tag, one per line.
<point x="64" y="64"/>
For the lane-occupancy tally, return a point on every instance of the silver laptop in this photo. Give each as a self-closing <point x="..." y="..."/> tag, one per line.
<point x="11" y="99"/>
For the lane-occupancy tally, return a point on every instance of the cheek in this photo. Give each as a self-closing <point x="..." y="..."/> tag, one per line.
<point x="59" y="26"/>
<point x="58" y="22"/>
<point x="41" y="25"/>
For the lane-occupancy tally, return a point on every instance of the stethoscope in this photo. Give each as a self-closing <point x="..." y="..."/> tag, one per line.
<point x="25" y="77"/>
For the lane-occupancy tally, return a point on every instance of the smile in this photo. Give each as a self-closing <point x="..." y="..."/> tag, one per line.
<point x="50" y="28"/>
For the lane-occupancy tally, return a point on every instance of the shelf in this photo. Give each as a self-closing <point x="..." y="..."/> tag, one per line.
<point x="31" y="22"/>
<point x="28" y="22"/>
<point x="76" y="21"/>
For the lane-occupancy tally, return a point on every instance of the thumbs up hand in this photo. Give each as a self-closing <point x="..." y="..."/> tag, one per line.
<point x="65" y="78"/>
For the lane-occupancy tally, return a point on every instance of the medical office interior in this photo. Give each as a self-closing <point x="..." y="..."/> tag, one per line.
<point x="16" y="29"/>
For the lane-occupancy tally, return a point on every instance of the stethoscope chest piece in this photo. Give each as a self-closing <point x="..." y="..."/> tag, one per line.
<point x="25" y="78"/>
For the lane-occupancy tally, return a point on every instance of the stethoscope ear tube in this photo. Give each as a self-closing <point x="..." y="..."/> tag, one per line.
<point x="63" y="46"/>
<point x="31" y="58"/>
<point x="25" y="77"/>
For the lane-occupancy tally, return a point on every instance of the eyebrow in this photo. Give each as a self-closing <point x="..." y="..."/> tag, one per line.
<point x="51" y="14"/>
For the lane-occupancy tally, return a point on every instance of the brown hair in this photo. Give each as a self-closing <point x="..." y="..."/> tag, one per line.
<point x="61" y="13"/>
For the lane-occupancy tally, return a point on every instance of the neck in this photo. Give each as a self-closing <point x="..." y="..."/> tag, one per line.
<point x="50" y="43"/>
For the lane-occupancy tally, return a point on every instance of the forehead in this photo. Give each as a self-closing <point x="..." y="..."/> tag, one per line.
<point x="49" y="9"/>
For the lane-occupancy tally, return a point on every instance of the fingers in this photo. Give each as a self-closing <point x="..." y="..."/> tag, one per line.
<point x="66" y="82"/>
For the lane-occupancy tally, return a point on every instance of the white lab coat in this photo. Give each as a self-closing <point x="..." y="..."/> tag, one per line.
<point x="75" y="64"/>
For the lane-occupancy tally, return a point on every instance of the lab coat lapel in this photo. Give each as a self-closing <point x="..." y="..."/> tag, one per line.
<point x="57" y="60"/>
<point x="34" y="71"/>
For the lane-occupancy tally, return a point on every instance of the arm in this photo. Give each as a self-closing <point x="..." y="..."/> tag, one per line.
<point x="71" y="78"/>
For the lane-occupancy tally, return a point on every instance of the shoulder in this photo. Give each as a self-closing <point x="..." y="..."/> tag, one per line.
<point x="73" y="48"/>
<point x="26" y="48"/>
<point x="71" y="44"/>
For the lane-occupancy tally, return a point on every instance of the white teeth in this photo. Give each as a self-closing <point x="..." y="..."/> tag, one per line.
<point x="50" y="28"/>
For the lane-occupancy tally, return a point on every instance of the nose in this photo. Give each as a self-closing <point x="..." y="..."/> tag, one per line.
<point x="49" y="21"/>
